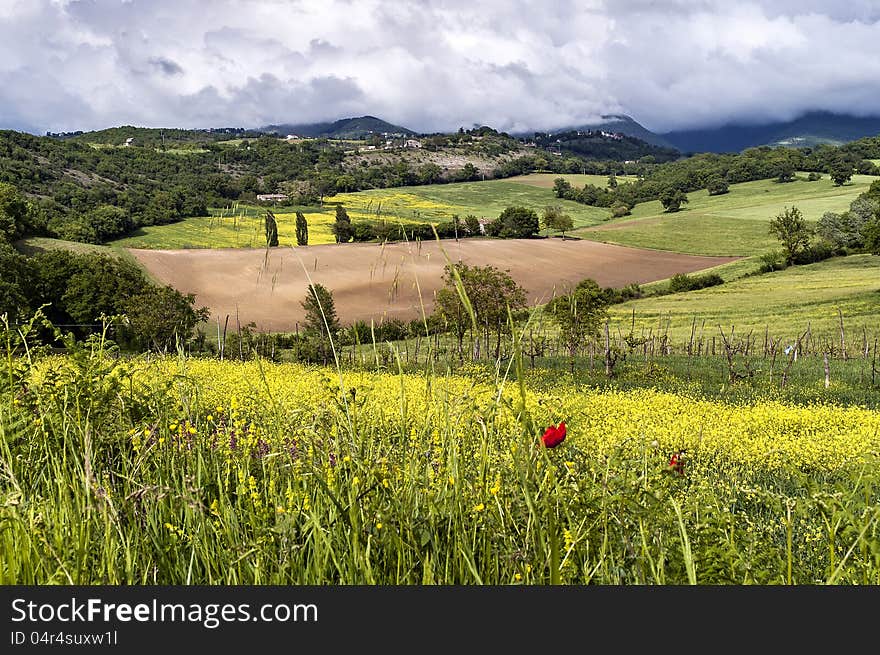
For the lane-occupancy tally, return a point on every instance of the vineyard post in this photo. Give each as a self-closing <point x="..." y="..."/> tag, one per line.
<point x="773" y="345"/>
<point x="874" y="364"/>
<point x="238" y="323"/>
<point x="691" y="341"/>
<point x="842" y="335"/>
<point x="793" y="357"/>
<point x="729" y="353"/>
<point x="608" y="364"/>
<point x="223" y="346"/>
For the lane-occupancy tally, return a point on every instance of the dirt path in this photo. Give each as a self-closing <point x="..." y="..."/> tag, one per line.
<point x="374" y="281"/>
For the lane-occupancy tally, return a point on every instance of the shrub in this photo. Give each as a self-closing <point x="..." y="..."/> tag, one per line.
<point x="772" y="261"/>
<point x="682" y="282"/>
<point x="619" y="209"/>
<point x="817" y="252"/>
<point x="363" y="231"/>
<point x="629" y="292"/>
<point x="448" y="230"/>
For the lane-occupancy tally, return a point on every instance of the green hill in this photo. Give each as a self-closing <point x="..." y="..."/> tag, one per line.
<point x="735" y="223"/>
<point x="784" y="302"/>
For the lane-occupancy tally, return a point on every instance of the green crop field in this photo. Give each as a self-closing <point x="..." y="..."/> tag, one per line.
<point x="786" y="302"/>
<point x="735" y="223"/>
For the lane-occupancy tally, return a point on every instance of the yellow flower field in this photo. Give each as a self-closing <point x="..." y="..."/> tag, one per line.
<point x="192" y="471"/>
<point x="766" y="435"/>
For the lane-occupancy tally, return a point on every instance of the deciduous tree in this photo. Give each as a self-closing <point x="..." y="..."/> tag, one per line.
<point x="716" y="185"/>
<point x="555" y="218"/>
<point x="790" y="227"/>
<point x="841" y="172"/>
<point x="579" y="314"/>
<point x="160" y="316"/>
<point x="515" y="223"/>
<point x="672" y="199"/>
<point x="491" y="293"/>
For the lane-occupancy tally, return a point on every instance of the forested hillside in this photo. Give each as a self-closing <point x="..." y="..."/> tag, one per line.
<point x="95" y="191"/>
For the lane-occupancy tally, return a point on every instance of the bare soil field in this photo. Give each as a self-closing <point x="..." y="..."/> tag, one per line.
<point x="373" y="281"/>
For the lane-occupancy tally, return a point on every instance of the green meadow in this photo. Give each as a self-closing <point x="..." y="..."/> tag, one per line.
<point x="731" y="224"/>
<point x="734" y="224"/>
<point x="785" y="302"/>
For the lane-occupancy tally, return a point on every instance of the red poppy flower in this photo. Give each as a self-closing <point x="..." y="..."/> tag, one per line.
<point x="676" y="463"/>
<point x="553" y="436"/>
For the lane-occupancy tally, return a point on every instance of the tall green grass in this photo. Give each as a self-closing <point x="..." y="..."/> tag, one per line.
<point x="112" y="474"/>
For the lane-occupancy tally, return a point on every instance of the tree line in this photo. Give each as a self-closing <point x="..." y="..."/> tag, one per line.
<point x="670" y="182"/>
<point x="853" y="231"/>
<point x="75" y="290"/>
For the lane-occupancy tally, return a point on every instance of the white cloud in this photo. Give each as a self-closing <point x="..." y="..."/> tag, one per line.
<point x="432" y="65"/>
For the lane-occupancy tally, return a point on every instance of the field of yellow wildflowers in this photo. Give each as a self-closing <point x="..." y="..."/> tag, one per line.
<point x="178" y="470"/>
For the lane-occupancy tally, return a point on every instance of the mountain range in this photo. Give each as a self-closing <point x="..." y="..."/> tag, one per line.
<point x="808" y="130"/>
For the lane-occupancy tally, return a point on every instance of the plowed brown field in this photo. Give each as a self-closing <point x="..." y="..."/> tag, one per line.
<point x="372" y="281"/>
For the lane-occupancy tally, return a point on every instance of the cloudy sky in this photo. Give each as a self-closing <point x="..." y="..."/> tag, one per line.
<point x="433" y="64"/>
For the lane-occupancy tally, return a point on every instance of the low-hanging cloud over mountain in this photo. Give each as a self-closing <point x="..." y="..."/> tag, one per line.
<point x="434" y="64"/>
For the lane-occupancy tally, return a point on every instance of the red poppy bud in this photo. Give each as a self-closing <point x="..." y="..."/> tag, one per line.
<point x="553" y="436"/>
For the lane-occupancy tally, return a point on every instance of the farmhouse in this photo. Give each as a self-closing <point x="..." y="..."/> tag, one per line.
<point x="412" y="143"/>
<point x="277" y="197"/>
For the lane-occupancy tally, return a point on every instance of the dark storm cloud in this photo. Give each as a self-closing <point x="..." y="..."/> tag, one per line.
<point x="166" y="66"/>
<point x="432" y="65"/>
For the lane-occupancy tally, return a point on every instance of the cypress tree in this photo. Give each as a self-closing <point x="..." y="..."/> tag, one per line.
<point x="271" y="229"/>
<point x="302" y="230"/>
